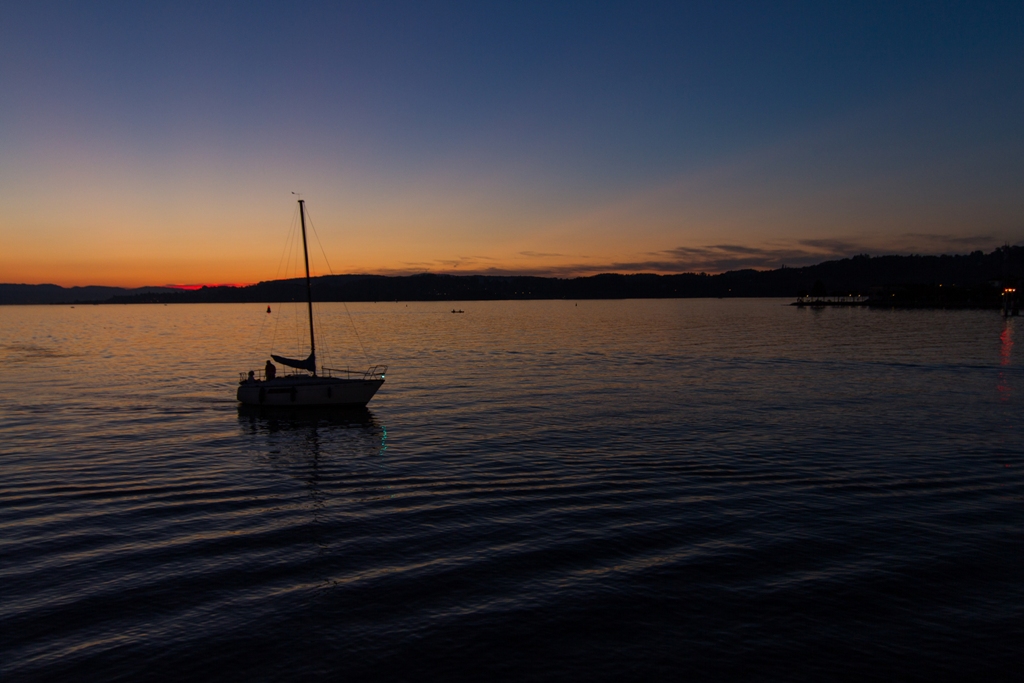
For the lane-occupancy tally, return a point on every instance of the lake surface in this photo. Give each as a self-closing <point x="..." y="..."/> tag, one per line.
<point x="614" y="490"/>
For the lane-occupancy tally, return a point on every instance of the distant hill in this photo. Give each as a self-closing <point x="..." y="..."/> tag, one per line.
<point x="55" y="294"/>
<point x="971" y="280"/>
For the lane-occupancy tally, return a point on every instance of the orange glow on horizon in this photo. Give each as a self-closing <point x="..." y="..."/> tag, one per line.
<point x="238" y="233"/>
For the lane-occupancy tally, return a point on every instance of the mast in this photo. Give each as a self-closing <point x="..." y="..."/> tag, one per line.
<point x="309" y="290"/>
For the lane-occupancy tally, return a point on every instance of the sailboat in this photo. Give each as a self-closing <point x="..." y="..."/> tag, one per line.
<point x="328" y="388"/>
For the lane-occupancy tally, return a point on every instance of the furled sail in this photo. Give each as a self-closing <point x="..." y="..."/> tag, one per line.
<point x="308" y="364"/>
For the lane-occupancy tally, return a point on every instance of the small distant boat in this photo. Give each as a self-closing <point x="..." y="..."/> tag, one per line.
<point x="823" y="301"/>
<point x="458" y="311"/>
<point x="264" y="388"/>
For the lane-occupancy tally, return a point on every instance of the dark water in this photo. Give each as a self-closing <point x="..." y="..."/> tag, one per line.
<point x="629" y="490"/>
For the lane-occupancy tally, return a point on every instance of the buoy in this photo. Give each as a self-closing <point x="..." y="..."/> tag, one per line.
<point x="268" y="309"/>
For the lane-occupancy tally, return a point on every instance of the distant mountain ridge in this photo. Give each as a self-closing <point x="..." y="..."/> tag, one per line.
<point x="958" y="280"/>
<point x="55" y="294"/>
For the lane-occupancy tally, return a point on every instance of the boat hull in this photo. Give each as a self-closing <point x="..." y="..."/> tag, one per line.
<point x="309" y="391"/>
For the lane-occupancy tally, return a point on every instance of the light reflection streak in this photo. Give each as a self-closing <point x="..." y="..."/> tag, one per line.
<point x="317" y="447"/>
<point x="1005" y="356"/>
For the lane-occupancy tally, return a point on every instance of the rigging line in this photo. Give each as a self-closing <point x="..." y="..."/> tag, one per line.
<point x="259" y="338"/>
<point x="292" y="307"/>
<point x="323" y="353"/>
<point x="302" y="331"/>
<point x="285" y="258"/>
<point x="331" y="354"/>
<point x="326" y="358"/>
<point x="283" y="269"/>
<point x="299" y="327"/>
<point x="327" y="261"/>
<point x="318" y="242"/>
<point x="289" y="248"/>
<point x="320" y="315"/>
<point x="366" y="356"/>
<point x="287" y="243"/>
<point x="324" y="327"/>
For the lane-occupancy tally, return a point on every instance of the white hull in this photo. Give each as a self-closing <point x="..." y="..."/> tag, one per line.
<point x="308" y="391"/>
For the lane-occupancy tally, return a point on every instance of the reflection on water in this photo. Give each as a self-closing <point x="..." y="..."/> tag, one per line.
<point x="297" y="417"/>
<point x="610" y="491"/>
<point x="1005" y="357"/>
<point x="306" y="435"/>
<point x="324" y="448"/>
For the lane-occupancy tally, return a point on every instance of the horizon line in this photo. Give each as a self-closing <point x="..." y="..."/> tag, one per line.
<point x="497" y="272"/>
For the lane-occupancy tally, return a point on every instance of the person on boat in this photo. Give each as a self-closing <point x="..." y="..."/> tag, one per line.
<point x="270" y="371"/>
<point x="252" y="376"/>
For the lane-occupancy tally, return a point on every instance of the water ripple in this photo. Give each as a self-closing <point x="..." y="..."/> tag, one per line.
<point x="620" y="490"/>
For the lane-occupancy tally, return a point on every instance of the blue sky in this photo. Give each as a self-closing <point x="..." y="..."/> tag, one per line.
<point x="142" y="141"/>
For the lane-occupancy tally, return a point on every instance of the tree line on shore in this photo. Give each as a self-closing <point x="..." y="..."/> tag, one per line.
<point x="969" y="280"/>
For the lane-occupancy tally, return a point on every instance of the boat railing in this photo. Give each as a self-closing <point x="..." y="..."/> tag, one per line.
<point x="373" y="372"/>
<point x="260" y="375"/>
<point x="256" y="375"/>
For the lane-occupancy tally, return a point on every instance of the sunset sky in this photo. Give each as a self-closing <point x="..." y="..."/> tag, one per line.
<point x="150" y="143"/>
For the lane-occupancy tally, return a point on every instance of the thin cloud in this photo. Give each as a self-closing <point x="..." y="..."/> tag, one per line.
<point x="722" y="257"/>
<point x="540" y="254"/>
<point x="712" y="258"/>
<point x="968" y="241"/>
<point x="835" y="246"/>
